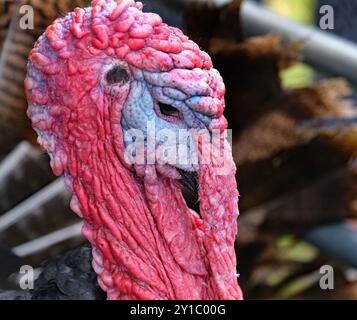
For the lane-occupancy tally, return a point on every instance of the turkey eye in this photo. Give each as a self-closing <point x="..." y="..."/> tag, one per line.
<point x="117" y="75"/>
<point x="167" y="110"/>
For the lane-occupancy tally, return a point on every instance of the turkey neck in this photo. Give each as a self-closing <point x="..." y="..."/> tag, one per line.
<point x="147" y="243"/>
<point x="142" y="232"/>
<point x="219" y="209"/>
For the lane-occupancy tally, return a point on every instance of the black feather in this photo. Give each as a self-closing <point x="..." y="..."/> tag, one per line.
<point x="189" y="180"/>
<point x="67" y="277"/>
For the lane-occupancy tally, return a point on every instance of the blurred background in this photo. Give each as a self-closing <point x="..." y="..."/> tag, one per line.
<point x="290" y="68"/>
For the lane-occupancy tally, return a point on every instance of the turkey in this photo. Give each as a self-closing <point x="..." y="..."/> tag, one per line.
<point x="273" y="162"/>
<point x="96" y="78"/>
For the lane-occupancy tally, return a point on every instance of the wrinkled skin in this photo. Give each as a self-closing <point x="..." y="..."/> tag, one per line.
<point x="94" y="76"/>
<point x="145" y="90"/>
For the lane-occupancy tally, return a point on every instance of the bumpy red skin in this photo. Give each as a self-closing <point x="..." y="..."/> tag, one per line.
<point x="147" y="244"/>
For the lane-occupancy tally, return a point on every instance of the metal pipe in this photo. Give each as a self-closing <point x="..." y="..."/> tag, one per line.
<point x="12" y="161"/>
<point x="30" y="205"/>
<point x="51" y="239"/>
<point x="322" y="50"/>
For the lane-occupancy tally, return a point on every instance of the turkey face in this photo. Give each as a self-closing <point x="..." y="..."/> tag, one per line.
<point x="164" y="112"/>
<point x="151" y="82"/>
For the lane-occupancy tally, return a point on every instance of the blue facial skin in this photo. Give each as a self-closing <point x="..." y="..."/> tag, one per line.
<point x="141" y="112"/>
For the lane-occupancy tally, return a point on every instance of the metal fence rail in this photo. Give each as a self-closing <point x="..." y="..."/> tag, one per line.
<point x="30" y="205"/>
<point x="323" y="50"/>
